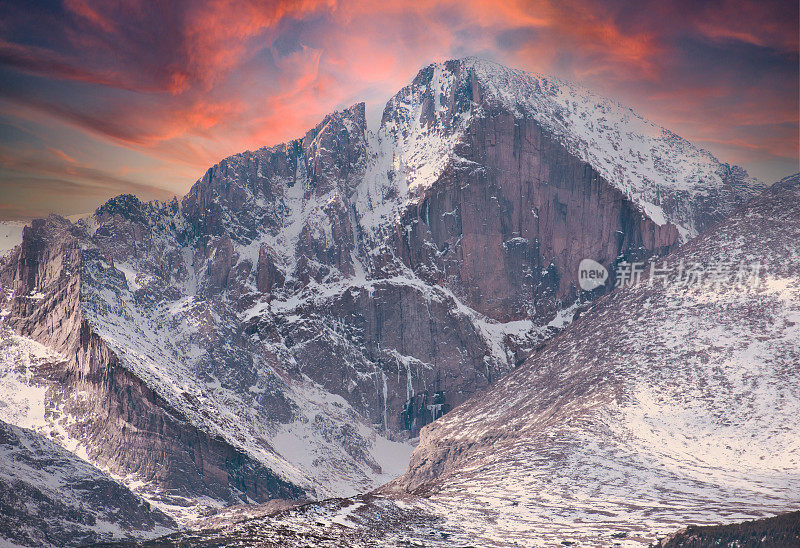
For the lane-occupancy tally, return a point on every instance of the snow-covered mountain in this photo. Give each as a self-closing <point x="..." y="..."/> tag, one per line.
<point x="286" y="329"/>
<point x="668" y="177"/>
<point x="668" y="402"/>
<point x="662" y="405"/>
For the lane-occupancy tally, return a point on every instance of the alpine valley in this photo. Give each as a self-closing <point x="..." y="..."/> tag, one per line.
<point x="256" y="362"/>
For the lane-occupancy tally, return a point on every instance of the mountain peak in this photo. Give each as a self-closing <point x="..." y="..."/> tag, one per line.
<point x="644" y="160"/>
<point x="312" y="305"/>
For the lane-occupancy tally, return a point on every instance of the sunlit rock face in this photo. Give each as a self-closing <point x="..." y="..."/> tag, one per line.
<point x="287" y="328"/>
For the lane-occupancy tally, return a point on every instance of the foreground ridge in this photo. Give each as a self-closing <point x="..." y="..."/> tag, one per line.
<point x="663" y="404"/>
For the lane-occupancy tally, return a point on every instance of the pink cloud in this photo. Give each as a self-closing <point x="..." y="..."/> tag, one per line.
<point x="196" y="81"/>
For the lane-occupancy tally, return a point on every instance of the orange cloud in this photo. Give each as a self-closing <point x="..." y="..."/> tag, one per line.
<point x="194" y="81"/>
<point x="63" y="155"/>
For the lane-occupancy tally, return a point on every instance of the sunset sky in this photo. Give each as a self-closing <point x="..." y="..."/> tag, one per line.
<point x="99" y="98"/>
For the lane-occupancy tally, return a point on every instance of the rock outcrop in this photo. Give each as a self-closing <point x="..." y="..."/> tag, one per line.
<point x="50" y="497"/>
<point x="122" y="423"/>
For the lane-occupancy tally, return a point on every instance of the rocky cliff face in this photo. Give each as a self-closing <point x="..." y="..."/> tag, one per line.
<point x="666" y="402"/>
<point x="306" y="308"/>
<point x="507" y="234"/>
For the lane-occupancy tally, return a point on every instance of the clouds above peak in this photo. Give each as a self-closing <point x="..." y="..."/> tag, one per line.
<point x="167" y="88"/>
